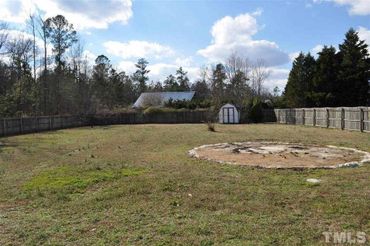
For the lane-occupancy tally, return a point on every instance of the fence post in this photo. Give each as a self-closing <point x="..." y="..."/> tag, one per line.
<point x="4" y="125"/>
<point x="314" y="117"/>
<point x="37" y="125"/>
<point x="21" y="124"/>
<point x="342" y="115"/>
<point x="327" y="118"/>
<point x="303" y="116"/>
<point x="361" y="119"/>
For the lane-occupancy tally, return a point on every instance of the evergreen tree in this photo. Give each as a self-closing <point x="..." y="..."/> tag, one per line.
<point x="100" y="77"/>
<point x="354" y="71"/>
<point x="182" y="80"/>
<point x="326" y="78"/>
<point x="140" y="76"/>
<point x="128" y="92"/>
<point x="62" y="35"/>
<point x="170" y="83"/>
<point x="238" y="89"/>
<point x="201" y="88"/>
<point x="218" y="85"/>
<point x="158" y="87"/>
<point x="298" y="91"/>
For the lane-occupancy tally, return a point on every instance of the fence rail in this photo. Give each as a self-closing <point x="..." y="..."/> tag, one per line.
<point x="345" y="118"/>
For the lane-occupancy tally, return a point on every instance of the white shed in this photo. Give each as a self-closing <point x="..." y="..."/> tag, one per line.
<point x="228" y="114"/>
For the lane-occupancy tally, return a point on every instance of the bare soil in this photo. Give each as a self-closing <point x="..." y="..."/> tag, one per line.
<point x="281" y="155"/>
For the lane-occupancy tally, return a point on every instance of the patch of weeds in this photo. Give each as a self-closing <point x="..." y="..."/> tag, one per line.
<point x="131" y="172"/>
<point x="211" y="126"/>
<point x="2" y="170"/>
<point x="175" y="203"/>
<point x="70" y="179"/>
<point x="170" y="186"/>
<point x="169" y="229"/>
<point x="206" y="243"/>
<point x="204" y="230"/>
<point x="312" y="184"/>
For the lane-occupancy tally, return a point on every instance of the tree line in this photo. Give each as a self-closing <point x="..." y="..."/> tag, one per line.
<point x="334" y="79"/>
<point x="38" y="80"/>
<point x="48" y="73"/>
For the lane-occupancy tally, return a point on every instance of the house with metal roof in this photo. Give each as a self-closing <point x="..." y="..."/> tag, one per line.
<point x="158" y="99"/>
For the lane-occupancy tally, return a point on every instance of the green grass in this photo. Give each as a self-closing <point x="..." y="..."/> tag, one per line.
<point x="72" y="179"/>
<point x="135" y="184"/>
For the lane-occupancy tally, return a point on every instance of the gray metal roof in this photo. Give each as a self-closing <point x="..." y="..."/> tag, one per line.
<point x="161" y="97"/>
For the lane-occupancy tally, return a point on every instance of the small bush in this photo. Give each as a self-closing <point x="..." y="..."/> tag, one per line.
<point x="255" y="112"/>
<point x="184" y="104"/>
<point x="156" y="110"/>
<point x="211" y="126"/>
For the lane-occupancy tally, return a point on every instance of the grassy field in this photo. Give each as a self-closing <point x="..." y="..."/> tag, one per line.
<point x="135" y="184"/>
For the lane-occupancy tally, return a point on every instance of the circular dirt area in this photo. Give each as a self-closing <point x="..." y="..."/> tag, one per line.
<point x="281" y="155"/>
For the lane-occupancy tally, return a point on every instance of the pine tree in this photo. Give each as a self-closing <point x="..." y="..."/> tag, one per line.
<point x="100" y="77"/>
<point x="182" y="79"/>
<point x="238" y="89"/>
<point x="218" y="85"/>
<point x="354" y="71"/>
<point x="201" y="89"/>
<point x="298" y="91"/>
<point x="170" y="83"/>
<point x="326" y="78"/>
<point x="140" y="76"/>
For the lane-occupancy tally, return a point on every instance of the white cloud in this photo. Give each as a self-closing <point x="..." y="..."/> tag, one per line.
<point x="16" y="34"/>
<point x="294" y="55"/>
<point x="184" y="61"/>
<point x="235" y="35"/>
<point x="126" y="66"/>
<point x="315" y="50"/>
<point x="83" y="14"/>
<point x="137" y="49"/>
<point x="356" y="7"/>
<point x="159" y="71"/>
<point x="364" y="34"/>
<point x="278" y="77"/>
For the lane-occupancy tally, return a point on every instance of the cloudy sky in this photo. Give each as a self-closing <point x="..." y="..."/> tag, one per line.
<point x="196" y="33"/>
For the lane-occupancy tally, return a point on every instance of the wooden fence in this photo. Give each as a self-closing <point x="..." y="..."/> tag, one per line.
<point x="177" y="117"/>
<point x="16" y="126"/>
<point x="355" y="118"/>
<point x="343" y="118"/>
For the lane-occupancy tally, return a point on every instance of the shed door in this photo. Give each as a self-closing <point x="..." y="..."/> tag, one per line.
<point x="228" y="115"/>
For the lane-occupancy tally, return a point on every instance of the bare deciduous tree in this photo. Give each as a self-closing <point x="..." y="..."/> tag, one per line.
<point x="259" y="74"/>
<point x="75" y="53"/>
<point x="41" y="29"/>
<point x="3" y="36"/>
<point x="20" y="51"/>
<point x="235" y="64"/>
<point x="32" y="26"/>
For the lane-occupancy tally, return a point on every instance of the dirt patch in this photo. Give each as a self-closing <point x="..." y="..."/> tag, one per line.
<point x="281" y="155"/>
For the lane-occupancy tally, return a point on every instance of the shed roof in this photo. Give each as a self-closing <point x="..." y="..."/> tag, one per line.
<point x="163" y="97"/>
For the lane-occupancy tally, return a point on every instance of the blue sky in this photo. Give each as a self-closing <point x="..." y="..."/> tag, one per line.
<point x="198" y="33"/>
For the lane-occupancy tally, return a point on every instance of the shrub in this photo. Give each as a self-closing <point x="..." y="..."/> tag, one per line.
<point x="184" y="104"/>
<point x="211" y="126"/>
<point x="255" y="111"/>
